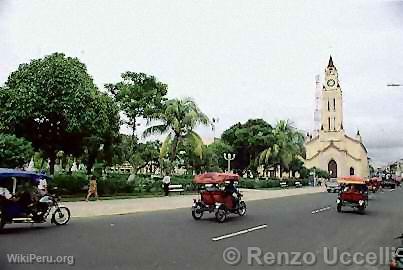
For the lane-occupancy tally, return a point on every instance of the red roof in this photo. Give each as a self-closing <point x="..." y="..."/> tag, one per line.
<point x="215" y="178"/>
<point x="352" y="179"/>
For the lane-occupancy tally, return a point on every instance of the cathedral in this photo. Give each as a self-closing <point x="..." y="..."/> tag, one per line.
<point x="331" y="149"/>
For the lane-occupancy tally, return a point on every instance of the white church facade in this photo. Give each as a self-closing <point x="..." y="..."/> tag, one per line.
<point x="331" y="149"/>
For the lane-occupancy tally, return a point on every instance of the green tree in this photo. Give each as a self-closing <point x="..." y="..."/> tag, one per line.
<point x="288" y="146"/>
<point x="139" y="155"/>
<point x="178" y="119"/>
<point x="138" y="95"/>
<point x="104" y="124"/>
<point x="14" y="152"/>
<point x="320" y="173"/>
<point x="216" y="152"/>
<point x="247" y="141"/>
<point x="53" y="103"/>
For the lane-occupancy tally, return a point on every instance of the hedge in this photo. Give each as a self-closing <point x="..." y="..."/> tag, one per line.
<point x="115" y="183"/>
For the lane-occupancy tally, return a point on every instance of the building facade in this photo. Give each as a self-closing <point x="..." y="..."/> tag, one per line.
<point x="332" y="149"/>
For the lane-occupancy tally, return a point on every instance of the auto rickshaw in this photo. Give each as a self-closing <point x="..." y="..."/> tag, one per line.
<point x="374" y="184"/>
<point x="214" y="197"/>
<point x="21" y="200"/>
<point x="354" y="193"/>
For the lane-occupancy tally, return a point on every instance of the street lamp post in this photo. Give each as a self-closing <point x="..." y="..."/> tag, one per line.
<point x="229" y="157"/>
<point x="313" y="173"/>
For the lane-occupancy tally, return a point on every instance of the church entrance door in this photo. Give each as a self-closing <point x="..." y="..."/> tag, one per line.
<point x="332" y="168"/>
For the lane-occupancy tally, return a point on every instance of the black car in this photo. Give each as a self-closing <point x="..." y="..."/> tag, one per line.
<point x="388" y="184"/>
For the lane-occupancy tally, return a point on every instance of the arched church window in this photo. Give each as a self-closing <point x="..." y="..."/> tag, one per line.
<point x="334" y="104"/>
<point x="328" y="122"/>
<point x="352" y="171"/>
<point x="328" y="105"/>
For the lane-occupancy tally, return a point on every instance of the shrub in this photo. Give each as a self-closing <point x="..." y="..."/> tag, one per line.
<point x="70" y="184"/>
<point x="115" y="183"/>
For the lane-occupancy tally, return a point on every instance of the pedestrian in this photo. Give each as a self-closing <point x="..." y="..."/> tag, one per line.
<point x="166" y="181"/>
<point x="92" y="189"/>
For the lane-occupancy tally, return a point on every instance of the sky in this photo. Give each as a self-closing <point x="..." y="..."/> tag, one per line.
<point x="237" y="59"/>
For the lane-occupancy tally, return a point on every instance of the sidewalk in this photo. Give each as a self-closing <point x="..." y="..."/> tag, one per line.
<point x="127" y="206"/>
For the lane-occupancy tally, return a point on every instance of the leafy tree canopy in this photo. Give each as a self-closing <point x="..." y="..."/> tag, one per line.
<point x="54" y="103"/>
<point x="179" y="119"/>
<point x="138" y="95"/>
<point x="247" y="141"/>
<point x="14" y="152"/>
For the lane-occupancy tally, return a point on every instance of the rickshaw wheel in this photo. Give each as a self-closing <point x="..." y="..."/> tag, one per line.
<point x="197" y="213"/>
<point x="361" y="210"/>
<point x="242" y="209"/>
<point x="339" y="208"/>
<point x="221" y="215"/>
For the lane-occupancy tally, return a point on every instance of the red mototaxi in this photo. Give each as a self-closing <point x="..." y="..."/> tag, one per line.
<point x="374" y="184"/>
<point x="356" y="196"/>
<point x="216" y="199"/>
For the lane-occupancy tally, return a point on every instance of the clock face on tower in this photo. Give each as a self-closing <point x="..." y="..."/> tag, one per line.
<point x="330" y="82"/>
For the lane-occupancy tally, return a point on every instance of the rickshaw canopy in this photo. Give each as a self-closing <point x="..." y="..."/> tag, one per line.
<point x="352" y="179"/>
<point x="33" y="176"/>
<point x="215" y="178"/>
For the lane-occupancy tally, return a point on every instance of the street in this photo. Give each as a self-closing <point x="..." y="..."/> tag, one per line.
<point x="171" y="239"/>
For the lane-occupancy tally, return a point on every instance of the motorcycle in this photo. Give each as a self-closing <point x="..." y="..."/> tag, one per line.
<point x="13" y="211"/>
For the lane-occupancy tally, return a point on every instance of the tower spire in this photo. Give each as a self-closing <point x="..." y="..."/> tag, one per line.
<point x="330" y="62"/>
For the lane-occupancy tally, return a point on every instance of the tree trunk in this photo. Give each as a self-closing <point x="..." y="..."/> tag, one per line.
<point x="52" y="161"/>
<point x="174" y="147"/>
<point x="133" y="133"/>
<point x="90" y="162"/>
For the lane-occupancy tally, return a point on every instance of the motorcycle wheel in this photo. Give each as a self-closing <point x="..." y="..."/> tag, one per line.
<point x="242" y="209"/>
<point x="339" y="208"/>
<point x="361" y="210"/>
<point x="61" y="216"/>
<point x="197" y="213"/>
<point x="221" y="215"/>
<point x="2" y="222"/>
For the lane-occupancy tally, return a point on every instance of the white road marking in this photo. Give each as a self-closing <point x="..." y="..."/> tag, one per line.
<point x="239" y="233"/>
<point x="321" y="209"/>
<point x="392" y="190"/>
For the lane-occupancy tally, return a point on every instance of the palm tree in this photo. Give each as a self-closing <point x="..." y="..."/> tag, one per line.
<point x="179" y="119"/>
<point x="288" y="146"/>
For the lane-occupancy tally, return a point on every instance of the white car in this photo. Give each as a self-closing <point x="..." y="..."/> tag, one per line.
<point x="332" y="186"/>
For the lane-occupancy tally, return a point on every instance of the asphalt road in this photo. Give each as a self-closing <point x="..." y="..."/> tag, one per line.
<point x="173" y="240"/>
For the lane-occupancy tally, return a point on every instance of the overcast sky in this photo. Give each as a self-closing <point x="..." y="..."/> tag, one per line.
<point x="237" y="59"/>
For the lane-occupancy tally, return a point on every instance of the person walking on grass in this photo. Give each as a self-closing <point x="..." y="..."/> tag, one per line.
<point x="166" y="181"/>
<point x="92" y="189"/>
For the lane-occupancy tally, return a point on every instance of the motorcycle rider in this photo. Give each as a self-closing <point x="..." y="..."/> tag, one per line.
<point x="230" y="189"/>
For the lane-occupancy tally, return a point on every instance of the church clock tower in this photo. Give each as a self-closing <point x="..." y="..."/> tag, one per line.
<point x="332" y="149"/>
<point x="331" y="109"/>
